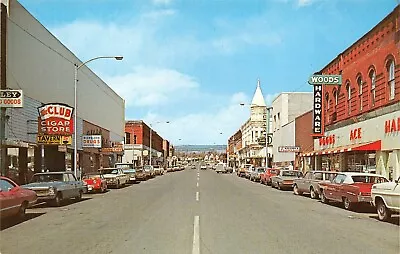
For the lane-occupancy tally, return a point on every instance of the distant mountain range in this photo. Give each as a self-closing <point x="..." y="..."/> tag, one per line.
<point x="200" y="148"/>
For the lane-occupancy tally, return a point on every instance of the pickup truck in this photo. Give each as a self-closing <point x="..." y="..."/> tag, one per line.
<point x="386" y="199"/>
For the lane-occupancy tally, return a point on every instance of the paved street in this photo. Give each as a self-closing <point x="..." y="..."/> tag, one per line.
<point x="234" y="216"/>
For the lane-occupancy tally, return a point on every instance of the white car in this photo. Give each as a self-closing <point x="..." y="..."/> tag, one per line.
<point x="386" y="198"/>
<point x="203" y="167"/>
<point x="115" y="177"/>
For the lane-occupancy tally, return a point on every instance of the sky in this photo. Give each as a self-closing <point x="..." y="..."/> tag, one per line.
<point x="192" y="62"/>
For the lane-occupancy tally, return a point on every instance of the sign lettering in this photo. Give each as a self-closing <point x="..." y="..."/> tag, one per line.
<point x="355" y="134"/>
<point x="55" y="119"/>
<point x="392" y="125"/>
<point x="54" y="140"/>
<point x="325" y="80"/>
<point x="328" y="140"/>
<point x="93" y="141"/>
<point x="11" y="99"/>
<point x="317" y="112"/>
<point x="289" y="149"/>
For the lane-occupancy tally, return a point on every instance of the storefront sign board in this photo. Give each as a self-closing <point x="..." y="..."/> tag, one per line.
<point x="91" y="141"/>
<point x="54" y="140"/>
<point x="318" y="111"/>
<point x="55" y="119"/>
<point x="11" y="99"/>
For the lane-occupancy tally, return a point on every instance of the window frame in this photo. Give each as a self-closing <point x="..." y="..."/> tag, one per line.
<point x="359" y="82"/>
<point x="391" y="79"/>
<point x="372" y="77"/>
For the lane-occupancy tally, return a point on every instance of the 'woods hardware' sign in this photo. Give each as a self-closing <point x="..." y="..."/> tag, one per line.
<point x="55" y="119"/>
<point x="317" y="111"/>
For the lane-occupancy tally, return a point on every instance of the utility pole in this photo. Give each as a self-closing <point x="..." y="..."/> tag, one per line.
<point x="3" y="85"/>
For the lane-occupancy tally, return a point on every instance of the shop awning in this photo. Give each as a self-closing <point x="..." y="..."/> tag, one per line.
<point x="369" y="146"/>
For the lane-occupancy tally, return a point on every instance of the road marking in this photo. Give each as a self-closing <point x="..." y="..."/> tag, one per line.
<point x="197" y="196"/>
<point x="196" y="235"/>
<point x="197" y="185"/>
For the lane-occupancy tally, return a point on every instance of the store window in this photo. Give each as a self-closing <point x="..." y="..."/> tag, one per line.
<point x="361" y="162"/>
<point x="372" y="76"/>
<point x="348" y="90"/>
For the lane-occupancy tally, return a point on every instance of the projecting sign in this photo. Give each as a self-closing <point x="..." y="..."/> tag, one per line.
<point x="288" y="149"/>
<point x="317" y="111"/>
<point x="55" y="119"/>
<point x="325" y="80"/>
<point x="11" y="99"/>
<point x="54" y="140"/>
<point x="93" y="141"/>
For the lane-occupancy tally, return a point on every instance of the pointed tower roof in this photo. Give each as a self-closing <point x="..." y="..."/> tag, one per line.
<point x="258" y="98"/>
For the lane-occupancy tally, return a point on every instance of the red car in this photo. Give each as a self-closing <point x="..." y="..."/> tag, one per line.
<point x="266" y="177"/>
<point x="13" y="199"/>
<point x="350" y="188"/>
<point x="95" y="182"/>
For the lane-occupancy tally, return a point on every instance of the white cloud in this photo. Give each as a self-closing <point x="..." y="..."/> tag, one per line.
<point x="161" y="2"/>
<point x="304" y="2"/>
<point x="149" y="86"/>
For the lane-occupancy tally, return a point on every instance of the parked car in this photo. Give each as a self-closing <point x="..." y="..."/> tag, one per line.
<point x="193" y="166"/>
<point x="386" y="198"/>
<point x="13" y="199"/>
<point x="131" y="174"/>
<point x="249" y="171"/>
<point x="95" y="182"/>
<point x="149" y="170"/>
<point x="256" y="174"/>
<point x="115" y="177"/>
<point x="284" y="179"/>
<point x="55" y="187"/>
<point x="140" y="174"/>
<point x="309" y="183"/>
<point x="203" y="167"/>
<point x="220" y="168"/>
<point x="229" y="169"/>
<point x="265" y="178"/>
<point x="158" y="170"/>
<point x="350" y="188"/>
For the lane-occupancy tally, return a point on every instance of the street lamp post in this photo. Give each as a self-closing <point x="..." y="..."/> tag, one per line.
<point x="151" y="131"/>
<point x="77" y="67"/>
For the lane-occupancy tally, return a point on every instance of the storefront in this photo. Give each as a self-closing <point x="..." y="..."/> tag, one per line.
<point x="372" y="145"/>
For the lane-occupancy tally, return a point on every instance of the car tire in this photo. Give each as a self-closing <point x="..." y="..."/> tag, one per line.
<point x="383" y="212"/>
<point x="278" y="186"/>
<point x="58" y="199"/>
<point x="296" y="190"/>
<point x="324" y="199"/>
<point x="22" y="210"/>
<point x="313" y="194"/>
<point x="118" y="185"/>
<point x="79" y="197"/>
<point x="347" y="204"/>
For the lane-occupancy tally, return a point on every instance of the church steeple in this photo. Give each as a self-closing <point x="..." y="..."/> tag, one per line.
<point x="258" y="98"/>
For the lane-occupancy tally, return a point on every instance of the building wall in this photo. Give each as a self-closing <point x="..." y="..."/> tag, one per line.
<point x="370" y="53"/>
<point x="47" y="75"/>
<point x="303" y="131"/>
<point x="284" y="137"/>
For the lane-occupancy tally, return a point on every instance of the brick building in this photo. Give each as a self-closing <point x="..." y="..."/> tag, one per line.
<point x="234" y="145"/>
<point x="362" y="116"/>
<point x="303" y="139"/>
<point x="137" y="144"/>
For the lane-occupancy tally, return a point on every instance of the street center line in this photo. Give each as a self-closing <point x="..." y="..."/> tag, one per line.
<point x="196" y="235"/>
<point x="197" y="185"/>
<point x="197" y="196"/>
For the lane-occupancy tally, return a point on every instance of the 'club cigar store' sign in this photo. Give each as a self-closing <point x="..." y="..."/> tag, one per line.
<point x="317" y="111"/>
<point x="55" y="119"/>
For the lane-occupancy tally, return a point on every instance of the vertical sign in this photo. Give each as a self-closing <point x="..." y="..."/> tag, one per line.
<point x="318" y="112"/>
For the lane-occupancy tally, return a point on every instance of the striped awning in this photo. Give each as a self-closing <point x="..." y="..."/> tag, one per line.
<point x="369" y="146"/>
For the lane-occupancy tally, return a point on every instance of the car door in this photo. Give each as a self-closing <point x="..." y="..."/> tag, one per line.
<point x="66" y="187"/>
<point x="9" y="203"/>
<point x="303" y="182"/>
<point x="396" y="194"/>
<point x="76" y="185"/>
<point x="336" y="188"/>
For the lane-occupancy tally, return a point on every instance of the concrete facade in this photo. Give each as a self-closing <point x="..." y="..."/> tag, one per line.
<point x="51" y="81"/>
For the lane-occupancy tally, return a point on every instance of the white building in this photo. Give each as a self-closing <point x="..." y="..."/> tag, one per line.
<point x="253" y="131"/>
<point x="285" y="108"/>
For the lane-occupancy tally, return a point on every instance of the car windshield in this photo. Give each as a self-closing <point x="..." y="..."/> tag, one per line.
<point x="260" y="170"/>
<point x="47" y="178"/>
<point x="124" y="166"/>
<point x="129" y="171"/>
<point x="369" y="179"/>
<point x="147" y="168"/>
<point x="273" y="171"/>
<point x="109" y="171"/>
<point x="290" y="173"/>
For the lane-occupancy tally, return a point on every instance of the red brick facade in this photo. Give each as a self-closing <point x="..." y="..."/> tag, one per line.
<point x="303" y="132"/>
<point x="137" y="132"/>
<point x="366" y="60"/>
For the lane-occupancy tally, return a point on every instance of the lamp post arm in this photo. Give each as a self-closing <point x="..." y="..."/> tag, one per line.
<point x="95" y="58"/>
